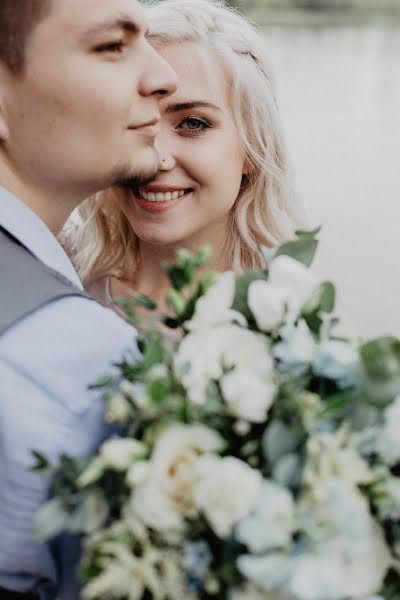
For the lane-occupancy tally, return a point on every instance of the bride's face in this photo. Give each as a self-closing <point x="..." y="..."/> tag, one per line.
<point x="201" y="162"/>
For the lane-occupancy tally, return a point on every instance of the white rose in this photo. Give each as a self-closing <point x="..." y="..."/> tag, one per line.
<point x="297" y="348"/>
<point x="270" y="524"/>
<point x="204" y="355"/>
<point x="297" y="281"/>
<point x="226" y="492"/>
<point x="173" y="475"/>
<point x="267" y="304"/>
<point x="247" y="395"/>
<point x="271" y="571"/>
<point x="349" y="556"/>
<point x="290" y="284"/>
<point x="120" y="453"/>
<point x="339" y="361"/>
<point x="214" y="307"/>
<point x="389" y="438"/>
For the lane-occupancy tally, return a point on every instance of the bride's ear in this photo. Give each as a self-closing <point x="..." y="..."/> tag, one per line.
<point x="246" y="167"/>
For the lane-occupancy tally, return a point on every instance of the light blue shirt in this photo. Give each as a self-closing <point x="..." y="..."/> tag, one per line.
<point x="47" y="362"/>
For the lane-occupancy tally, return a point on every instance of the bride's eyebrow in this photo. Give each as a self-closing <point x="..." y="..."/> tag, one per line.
<point x="181" y="106"/>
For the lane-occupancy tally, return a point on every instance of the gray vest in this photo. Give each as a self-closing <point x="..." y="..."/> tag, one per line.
<point x="26" y="284"/>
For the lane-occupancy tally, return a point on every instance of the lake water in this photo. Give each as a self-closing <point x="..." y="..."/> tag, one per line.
<point x="339" y="94"/>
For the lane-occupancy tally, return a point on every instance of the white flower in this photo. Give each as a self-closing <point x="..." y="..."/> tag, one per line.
<point x="166" y="497"/>
<point x="344" y="556"/>
<point x="389" y="438"/>
<point x="267" y="304"/>
<point x="334" y="454"/>
<point x="248" y="395"/>
<point x="138" y="473"/>
<point x="339" y="361"/>
<point x="289" y="285"/>
<point x="226" y="492"/>
<point x="271" y="571"/>
<point x="297" y="348"/>
<point x="270" y="523"/>
<point x="118" y="409"/>
<point x="349" y="556"/>
<point x="120" y="453"/>
<point x="214" y="307"/>
<point x="204" y="355"/>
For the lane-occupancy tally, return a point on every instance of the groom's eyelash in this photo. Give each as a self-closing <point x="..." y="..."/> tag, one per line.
<point x="112" y="46"/>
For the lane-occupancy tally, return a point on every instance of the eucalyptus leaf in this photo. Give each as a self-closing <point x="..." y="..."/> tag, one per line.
<point x="381" y="358"/>
<point x="287" y="471"/>
<point x="51" y="520"/>
<point x="279" y="439"/>
<point x="243" y="283"/>
<point x="301" y="249"/>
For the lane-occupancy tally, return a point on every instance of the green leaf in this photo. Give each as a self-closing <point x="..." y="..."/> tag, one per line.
<point x="176" y="301"/>
<point x="102" y="381"/>
<point x="381" y="361"/>
<point x="42" y="464"/>
<point x="381" y="358"/>
<point x="322" y="300"/>
<point x="302" y="249"/>
<point x="243" y="283"/>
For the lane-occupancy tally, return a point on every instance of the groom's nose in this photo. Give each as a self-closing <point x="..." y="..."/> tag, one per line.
<point x="159" y="78"/>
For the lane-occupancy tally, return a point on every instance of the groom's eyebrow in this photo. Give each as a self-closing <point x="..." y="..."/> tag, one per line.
<point x="122" y="22"/>
<point x="181" y="106"/>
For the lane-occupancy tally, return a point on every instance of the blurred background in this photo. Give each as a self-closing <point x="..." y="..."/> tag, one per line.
<point x="337" y="66"/>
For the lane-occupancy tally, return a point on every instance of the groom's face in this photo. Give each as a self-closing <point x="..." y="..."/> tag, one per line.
<point x="76" y="114"/>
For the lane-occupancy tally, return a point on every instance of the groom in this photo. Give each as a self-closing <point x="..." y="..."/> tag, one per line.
<point x="79" y="94"/>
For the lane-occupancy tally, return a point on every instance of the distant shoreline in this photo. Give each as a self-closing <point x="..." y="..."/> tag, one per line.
<point x="313" y="18"/>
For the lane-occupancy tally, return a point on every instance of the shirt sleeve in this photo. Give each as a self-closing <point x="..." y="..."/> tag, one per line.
<point x="47" y="363"/>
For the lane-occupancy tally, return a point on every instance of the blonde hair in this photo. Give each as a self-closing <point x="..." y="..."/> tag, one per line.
<point x="266" y="210"/>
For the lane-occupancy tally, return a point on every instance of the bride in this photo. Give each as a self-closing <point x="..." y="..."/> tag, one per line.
<point x="223" y="176"/>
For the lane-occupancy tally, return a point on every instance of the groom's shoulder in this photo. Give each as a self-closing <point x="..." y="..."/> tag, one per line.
<point x="66" y="345"/>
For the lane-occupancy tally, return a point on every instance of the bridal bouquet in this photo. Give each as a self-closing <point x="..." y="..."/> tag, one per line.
<point x="256" y="453"/>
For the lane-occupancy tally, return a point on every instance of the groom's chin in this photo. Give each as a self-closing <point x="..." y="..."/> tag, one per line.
<point x="137" y="175"/>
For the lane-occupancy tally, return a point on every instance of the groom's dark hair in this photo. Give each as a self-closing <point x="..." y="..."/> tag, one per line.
<point x="18" y="19"/>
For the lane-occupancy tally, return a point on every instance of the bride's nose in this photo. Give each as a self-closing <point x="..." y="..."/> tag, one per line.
<point x="166" y="157"/>
<point x="166" y="162"/>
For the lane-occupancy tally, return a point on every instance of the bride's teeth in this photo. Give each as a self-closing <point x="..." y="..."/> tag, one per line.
<point x="161" y="196"/>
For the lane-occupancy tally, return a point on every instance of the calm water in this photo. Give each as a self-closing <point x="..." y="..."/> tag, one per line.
<point x="339" y="93"/>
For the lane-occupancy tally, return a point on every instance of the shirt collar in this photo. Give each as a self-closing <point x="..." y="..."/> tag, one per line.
<point x="25" y="225"/>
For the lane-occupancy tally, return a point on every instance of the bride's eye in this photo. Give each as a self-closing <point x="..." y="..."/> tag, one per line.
<point x="193" y="125"/>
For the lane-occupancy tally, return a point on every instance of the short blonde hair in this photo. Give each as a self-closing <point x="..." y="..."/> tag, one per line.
<point x="266" y="210"/>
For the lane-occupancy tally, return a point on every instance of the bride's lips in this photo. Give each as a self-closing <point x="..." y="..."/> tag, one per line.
<point x="159" y="206"/>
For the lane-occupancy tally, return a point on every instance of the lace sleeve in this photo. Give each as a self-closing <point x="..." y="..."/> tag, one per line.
<point x="68" y="238"/>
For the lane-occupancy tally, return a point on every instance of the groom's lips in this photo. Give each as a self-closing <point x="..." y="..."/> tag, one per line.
<point x="150" y="128"/>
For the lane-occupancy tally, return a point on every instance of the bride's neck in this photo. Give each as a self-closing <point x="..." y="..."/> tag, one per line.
<point x="150" y="277"/>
